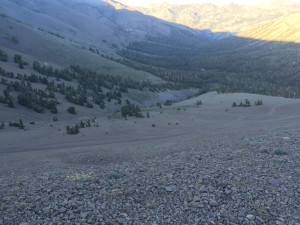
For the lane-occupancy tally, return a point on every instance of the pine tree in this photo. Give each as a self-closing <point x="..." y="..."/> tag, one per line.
<point x="21" y="125"/>
<point x="71" y="110"/>
<point x="10" y="103"/>
<point x="3" y="56"/>
<point x="17" y="58"/>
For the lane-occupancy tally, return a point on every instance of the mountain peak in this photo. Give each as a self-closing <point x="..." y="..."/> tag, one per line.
<point x="118" y="5"/>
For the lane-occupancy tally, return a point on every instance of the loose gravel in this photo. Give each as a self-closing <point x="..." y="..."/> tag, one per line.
<point x="244" y="181"/>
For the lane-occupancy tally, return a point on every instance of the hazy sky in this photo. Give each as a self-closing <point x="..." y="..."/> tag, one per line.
<point x="148" y="2"/>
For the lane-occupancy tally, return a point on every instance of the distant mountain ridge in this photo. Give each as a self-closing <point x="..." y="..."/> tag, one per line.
<point x="222" y="18"/>
<point x="286" y="28"/>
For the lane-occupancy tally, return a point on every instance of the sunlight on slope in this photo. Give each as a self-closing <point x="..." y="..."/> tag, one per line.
<point x="119" y="6"/>
<point x="283" y="29"/>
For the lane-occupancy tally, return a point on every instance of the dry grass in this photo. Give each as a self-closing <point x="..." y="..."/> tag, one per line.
<point x="80" y="177"/>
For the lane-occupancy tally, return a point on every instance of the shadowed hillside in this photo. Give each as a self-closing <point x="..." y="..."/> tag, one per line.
<point x="231" y="64"/>
<point x="50" y="48"/>
<point x="104" y="25"/>
<point x="117" y="40"/>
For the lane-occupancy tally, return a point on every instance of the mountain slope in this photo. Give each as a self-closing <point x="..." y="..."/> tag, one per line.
<point x="286" y="28"/>
<point x="49" y="48"/>
<point x="102" y="24"/>
<point x="174" y="53"/>
<point x="229" y="18"/>
<point x="80" y="31"/>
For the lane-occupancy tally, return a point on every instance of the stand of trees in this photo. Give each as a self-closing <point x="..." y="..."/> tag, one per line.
<point x="131" y="110"/>
<point x="73" y="130"/>
<point x="247" y="103"/>
<point x="17" y="124"/>
<point x="227" y="65"/>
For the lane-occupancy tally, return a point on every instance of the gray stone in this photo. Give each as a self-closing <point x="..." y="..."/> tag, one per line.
<point x="170" y="188"/>
<point x="250" y="217"/>
<point x="275" y="182"/>
<point x="197" y="199"/>
<point x="213" y="203"/>
<point x="62" y="210"/>
<point x="83" y="215"/>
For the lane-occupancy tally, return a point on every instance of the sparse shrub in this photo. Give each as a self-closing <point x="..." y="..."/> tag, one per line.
<point x="259" y="102"/>
<point x="234" y="104"/>
<point x="168" y="102"/>
<point x="13" y="182"/>
<point x="71" y="110"/>
<point x="279" y="152"/>
<point x="199" y="102"/>
<point x="153" y="125"/>
<point x="54" y="119"/>
<point x="2" y="125"/>
<point x="114" y="175"/>
<point x="15" y="124"/>
<point x="89" y="105"/>
<point x="80" y="177"/>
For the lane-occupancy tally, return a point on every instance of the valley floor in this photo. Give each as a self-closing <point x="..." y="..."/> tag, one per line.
<point x="208" y="164"/>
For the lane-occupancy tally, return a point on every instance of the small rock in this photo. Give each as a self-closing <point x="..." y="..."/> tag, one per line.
<point x="62" y="210"/>
<point x="83" y="215"/>
<point x="196" y="199"/>
<point x="170" y="188"/>
<point x="123" y="215"/>
<point x="250" y="217"/>
<point x="275" y="182"/>
<point x="121" y="221"/>
<point x="213" y="203"/>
